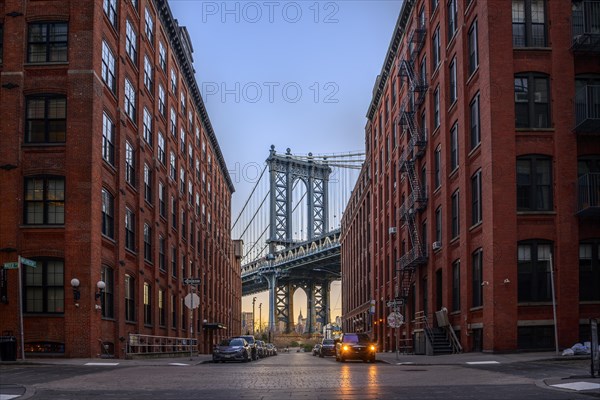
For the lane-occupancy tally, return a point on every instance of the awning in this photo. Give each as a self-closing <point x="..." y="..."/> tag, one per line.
<point x="213" y="325"/>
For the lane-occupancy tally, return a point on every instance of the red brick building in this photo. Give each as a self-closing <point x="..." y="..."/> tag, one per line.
<point x="482" y="173"/>
<point x="109" y="171"/>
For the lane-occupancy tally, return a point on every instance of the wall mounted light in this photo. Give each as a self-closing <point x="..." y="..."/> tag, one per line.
<point x="101" y="286"/>
<point x="76" y="293"/>
<point x="506" y="281"/>
<point x="485" y="283"/>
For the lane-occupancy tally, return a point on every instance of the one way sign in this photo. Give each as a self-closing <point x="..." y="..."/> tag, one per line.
<point x="191" y="281"/>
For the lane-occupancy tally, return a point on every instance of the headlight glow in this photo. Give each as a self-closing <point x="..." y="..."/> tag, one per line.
<point x="345" y="348"/>
<point x="372" y="348"/>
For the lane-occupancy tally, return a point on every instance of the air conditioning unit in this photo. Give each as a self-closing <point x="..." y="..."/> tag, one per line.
<point x="392" y="230"/>
<point x="436" y="245"/>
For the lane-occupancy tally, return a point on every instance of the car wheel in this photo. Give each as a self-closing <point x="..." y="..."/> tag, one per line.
<point x="246" y="358"/>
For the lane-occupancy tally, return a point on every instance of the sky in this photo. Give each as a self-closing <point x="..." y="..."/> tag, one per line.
<point x="295" y="74"/>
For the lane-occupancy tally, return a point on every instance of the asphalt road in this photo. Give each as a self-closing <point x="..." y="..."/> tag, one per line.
<point x="294" y="376"/>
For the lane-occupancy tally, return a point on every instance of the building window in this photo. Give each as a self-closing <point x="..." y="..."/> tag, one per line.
<point x="173" y="81"/>
<point x="108" y="67"/>
<point x="162" y="256"/>
<point x="456" y="285"/>
<point x="534" y="183"/>
<point x="589" y="271"/>
<point x="473" y="48"/>
<point x="534" y="271"/>
<point x="147" y="304"/>
<point x="437" y="178"/>
<point x="529" y="23"/>
<point x="108" y="214"/>
<point x="46" y="119"/>
<point x="47" y="42"/>
<point x="162" y="108"/>
<point x="476" y="216"/>
<point x="162" y="320"/>
<point x="477" y="275"/>
<point x="45" y="200"/>
<point x="107" y="299"/>
<point x="162" y="56"/>
<point x="110" y="9"/>
<point x="129" y="298"/>
<point x="173" y="312"/>
<point x="453" y="88"/>
<point x="181" y="180"/>
<point x="454" y="147"/>
<point x="183" y="318"/>
<point x="149" y="26"/>
<point x="436" y="48"/>
<point x="148" y="183"/>
<point x="438" y="224"/>
<point x="436" y="108"/>
<point x="162" y="194"/>
<point x="129" y="230"/>
<point x="182" y="142"/>
<point x="147" y="127"/>
<point x="130" y="104"/>
<point x="172" y="166"/>
<point x="147" y="243"/>
<point x="455" y="214"/>
<point x="131" y="41"/>
<point x="1" y="41"/>
<point x="129" y="164"/>
<point x="434" y="4"/>
<point x="174" y="261"/>
<point x="148" y="75"/>
<point x="108" y="139"/>
<point x="532" y="101"/>
<point x="134" y="3"/>
<point x="173" y="126"/>
<point x="161" y="149"/>
<point x="452" y="19"/>
<point x="44" y="287"/>
<point x="475" y="122"/>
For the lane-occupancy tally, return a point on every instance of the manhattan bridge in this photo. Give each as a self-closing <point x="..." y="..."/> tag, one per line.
<point x="290" y="226"/>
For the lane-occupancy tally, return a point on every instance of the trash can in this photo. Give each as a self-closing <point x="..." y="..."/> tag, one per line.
<point x="8" y="348"/>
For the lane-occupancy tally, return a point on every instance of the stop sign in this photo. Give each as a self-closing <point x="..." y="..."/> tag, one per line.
<point x="192" y="301"/>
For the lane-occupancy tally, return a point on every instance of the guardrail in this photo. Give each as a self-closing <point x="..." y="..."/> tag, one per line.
<point x="155" y="346"/>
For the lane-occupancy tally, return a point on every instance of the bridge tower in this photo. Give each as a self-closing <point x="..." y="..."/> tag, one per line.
<point x="284" y="171"/>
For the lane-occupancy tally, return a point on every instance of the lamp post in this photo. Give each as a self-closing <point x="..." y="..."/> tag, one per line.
<point x="260" y="317"/>
<point x="253" y="319"/>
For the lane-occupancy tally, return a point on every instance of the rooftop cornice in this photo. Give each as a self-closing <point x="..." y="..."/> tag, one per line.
<point x="383" y="76"/>
<point x="185" y="65"/>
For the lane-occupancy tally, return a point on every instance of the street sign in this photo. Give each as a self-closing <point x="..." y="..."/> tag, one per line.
<point x="395" y="320"/>
<point x="11" y="265"/>
<point x="397" y="302"/>
<point x="191" y="281"/>
<point x="28" y="262"/>
<point x="192" y="301"/>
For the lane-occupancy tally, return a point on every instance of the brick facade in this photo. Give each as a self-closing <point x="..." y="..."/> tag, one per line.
<point x="90" y="243"/>
<point x="507" y="307"/>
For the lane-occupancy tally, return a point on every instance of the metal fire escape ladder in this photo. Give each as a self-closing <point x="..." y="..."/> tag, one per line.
<point x="417" y="142"/>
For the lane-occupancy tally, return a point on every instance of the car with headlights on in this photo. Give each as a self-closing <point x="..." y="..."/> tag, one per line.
<point x="355" y="346"/>
<point x="232" y="349"/>
<point x="252" y="343"/>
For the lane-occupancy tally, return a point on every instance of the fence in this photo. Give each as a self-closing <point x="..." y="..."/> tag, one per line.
<point x="156" y="346"/>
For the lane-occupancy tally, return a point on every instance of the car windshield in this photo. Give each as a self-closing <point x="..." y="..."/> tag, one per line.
<point x="236" y="342"/>
<point x="356" y="338"/>
<point x="249" y="339"/>
<point x="328" y="341"/>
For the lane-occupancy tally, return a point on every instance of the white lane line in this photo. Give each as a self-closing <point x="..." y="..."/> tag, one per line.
<point x="180" y="364"/>
<point x="482" y="362"/>
<point x="405" y="363"/>
<point x="578" y="386"/>
<point x="9" y="396"/>
<point x="102" y="364"/>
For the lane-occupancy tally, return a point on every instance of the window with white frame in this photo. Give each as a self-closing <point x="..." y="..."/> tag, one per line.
<point x="161" y="152"/>
<point x="173" y="126"/>
<point x="162" y="56"/>
<point x="129" y="164"/>
<point x="172" y="165"/>
<point x="162" y="105"/>
<point x="130" y="100"/>
<point x="131" y="41"/>
<point x="149" y="26"/>
<point x="148" y="75"/>
<point x="110" y="10"/>
<point x="108" y="67"/>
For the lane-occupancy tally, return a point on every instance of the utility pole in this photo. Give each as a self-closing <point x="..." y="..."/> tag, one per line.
<point x="253" y="318"/>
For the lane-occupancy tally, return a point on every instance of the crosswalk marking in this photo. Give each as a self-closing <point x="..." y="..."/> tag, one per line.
<point x="102" y="364"/>
<point x="482" y="362"/>
<point x="179" y="364"/>
<point x="578" y="386"/>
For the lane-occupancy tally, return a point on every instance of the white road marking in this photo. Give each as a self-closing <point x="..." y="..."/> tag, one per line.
<point x="578" y="386"/>
<point x="9" y="396"/>
<point x="180" y="364"/>
<point x="103" y="364"/>
<point x="482" y="362"/>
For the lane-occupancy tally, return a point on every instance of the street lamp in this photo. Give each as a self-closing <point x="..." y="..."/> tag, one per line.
<point x="253" y="314"/>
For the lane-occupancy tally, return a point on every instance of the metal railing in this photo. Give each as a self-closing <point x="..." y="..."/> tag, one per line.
<point x="587" y="108"/>
<point x="585" y="20"/>
<point x="589" y="192"/>
<point x="149" y="345"/>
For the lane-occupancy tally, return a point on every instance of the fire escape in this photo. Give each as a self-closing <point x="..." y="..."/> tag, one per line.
<point x="416" y="201"/>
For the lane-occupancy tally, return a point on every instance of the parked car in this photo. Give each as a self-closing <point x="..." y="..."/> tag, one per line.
<point x="355" y="346"/>
<point x="252" y="344"/>
<point x="327" y="348"/>
<point x="272" y="349"/>
<point x="232" y="349"/>
<point x="316" y="349"/>
<point x="261" y="351"/>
